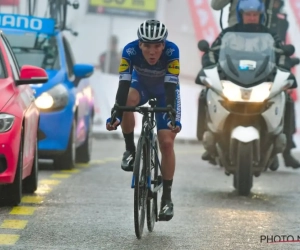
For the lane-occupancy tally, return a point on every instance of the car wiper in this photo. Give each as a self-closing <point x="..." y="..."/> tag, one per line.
<point x="21" y="48"/>
<point x="28" y="50"/>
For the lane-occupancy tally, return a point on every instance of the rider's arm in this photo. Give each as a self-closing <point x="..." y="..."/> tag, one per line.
<point x="125" y="71"/>
<point x="219" y="4"/>
<point x="211" y="57"/>
<point x="172" y="81"/>
<point x="281" y="59"/>
<point x="173" y="98"/>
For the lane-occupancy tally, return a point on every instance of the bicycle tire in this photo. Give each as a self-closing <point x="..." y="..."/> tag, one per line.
<point x="152" y="209"/>
<point x="140" y="187"/>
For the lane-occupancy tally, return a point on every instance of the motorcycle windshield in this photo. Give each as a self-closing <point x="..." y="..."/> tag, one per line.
<point x="247" y="59"/>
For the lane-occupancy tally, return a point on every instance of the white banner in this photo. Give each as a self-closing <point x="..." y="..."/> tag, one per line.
<point x="105" y="88"/>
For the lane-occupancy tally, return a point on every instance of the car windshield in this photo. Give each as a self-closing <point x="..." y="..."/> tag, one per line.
<point x="35" y="49"/>
<point x="247" y="58"/>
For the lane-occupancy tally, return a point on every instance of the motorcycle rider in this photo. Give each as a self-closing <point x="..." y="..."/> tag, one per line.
<point x="250" y="16"/>
<point x="273" y="8"/>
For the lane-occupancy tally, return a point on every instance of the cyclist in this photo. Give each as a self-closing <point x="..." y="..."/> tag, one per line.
<point x="150" y="68"/>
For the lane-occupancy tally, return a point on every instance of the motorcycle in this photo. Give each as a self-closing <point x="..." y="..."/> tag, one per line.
<point x="245" y="105"/>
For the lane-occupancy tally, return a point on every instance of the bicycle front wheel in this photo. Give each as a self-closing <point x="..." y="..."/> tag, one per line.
<point x="140" y="187"/>
<point x="152" y="209"/>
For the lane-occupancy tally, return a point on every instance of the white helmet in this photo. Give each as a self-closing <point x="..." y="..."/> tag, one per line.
<point x="152" y="31"/>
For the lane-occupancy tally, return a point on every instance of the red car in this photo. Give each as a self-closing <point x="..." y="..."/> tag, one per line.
<point x="19" y="118"/>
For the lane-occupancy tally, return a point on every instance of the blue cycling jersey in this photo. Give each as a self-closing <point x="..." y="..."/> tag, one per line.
<point x="165" y="70"/>
<point x="149" y="80"/>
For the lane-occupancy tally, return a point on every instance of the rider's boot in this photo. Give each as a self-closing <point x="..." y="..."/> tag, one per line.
<point x="206" y="157"/>
<point x="166" y="210"/>
<point x="129" y="154"/>
<point x="289" y="160"/>
<point x="128" y="161"/>
<point x="275" y="164"/>
<point x="166" y="206"/>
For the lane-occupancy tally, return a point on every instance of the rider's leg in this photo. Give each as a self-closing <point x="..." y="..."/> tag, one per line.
<point x="166" y="144"/>
<point x="202" y="124"/>
<point x="289" y="130"/>
<point x="128" y="121"/>
<point x="136" y="96"/>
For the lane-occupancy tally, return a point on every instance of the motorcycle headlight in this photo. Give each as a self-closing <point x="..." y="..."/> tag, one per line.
<point x="6" y="122"/>
<point x="261" y="92"/>
<point x="231" y="91"/>
<point x="54" y="99"/>
<point x="236" y="93"/>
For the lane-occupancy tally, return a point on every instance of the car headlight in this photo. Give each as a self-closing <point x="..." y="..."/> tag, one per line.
<point x="54" y="99"/>
<point x="44" y="101"/>
<point x="236" y="93"/>
<point x="6" y="122"/>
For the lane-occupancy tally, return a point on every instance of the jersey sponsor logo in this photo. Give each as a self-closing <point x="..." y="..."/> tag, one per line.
<point x="131" y="51"/>
<point x="124" y="65"/>
<point x="178" y="105"/>
<point x="125" y="77"/>
<point x="169" y="51"/>
<point x="150" y="72"/>
<point x="171" y="79"/>
<point x="173" y="67"/>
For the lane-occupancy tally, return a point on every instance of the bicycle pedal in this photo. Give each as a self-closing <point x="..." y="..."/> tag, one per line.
<point x="159" y="180"/>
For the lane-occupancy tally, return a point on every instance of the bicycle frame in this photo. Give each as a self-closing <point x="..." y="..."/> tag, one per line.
<point x="148" y="124"/>
<point x="147" y="134"/>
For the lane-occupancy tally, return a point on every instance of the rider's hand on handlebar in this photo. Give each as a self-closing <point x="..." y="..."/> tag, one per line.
<point x="112" y="125"/>
<point x="113" y="122"/>
<point x="175" y="126"/>
<point x="175" y="129"/>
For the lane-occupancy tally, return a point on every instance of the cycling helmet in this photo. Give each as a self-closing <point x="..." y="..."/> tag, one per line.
<point x="152" y="31"/>
<point x="250" y="5"/>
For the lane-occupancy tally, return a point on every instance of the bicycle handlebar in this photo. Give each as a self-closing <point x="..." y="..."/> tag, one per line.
<point x="171" y="112"/>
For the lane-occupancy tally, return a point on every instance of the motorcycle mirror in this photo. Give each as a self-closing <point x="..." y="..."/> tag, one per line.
<point x="295" y="61"/>
<point x="288" y="49"/>
<point x="203" y="46"/>
<point x="288" y="84"/>
<point x="206" y="81"/>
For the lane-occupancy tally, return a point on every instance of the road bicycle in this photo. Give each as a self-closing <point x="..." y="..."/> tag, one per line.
<point x="146" y="180"/>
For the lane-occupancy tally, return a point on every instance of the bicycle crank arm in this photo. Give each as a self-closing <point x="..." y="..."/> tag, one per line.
<point x="157" y="188"/>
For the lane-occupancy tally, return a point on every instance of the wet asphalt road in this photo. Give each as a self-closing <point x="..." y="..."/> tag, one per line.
<point x="91" y="208"/>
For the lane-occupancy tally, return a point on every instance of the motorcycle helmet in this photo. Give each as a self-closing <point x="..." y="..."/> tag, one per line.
<point x="250" y="5"/>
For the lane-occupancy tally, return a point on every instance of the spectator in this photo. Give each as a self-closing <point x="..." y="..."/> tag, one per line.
<point x="114" y="58"/>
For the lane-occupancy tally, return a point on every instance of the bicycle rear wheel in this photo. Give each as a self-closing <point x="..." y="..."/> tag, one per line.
<point x="152" y="210"/>
<point x="140" y="187"/>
